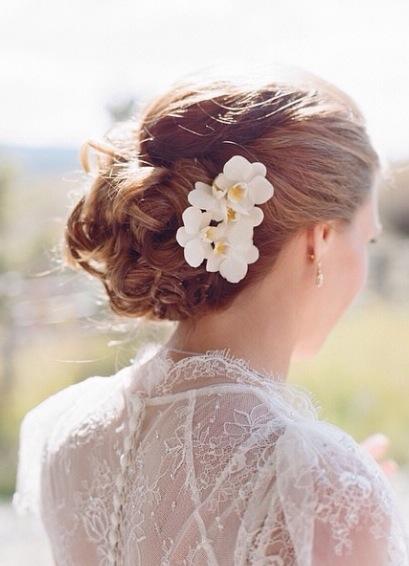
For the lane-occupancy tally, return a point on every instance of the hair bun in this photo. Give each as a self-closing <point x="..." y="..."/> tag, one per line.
<point x="123" y="231"/>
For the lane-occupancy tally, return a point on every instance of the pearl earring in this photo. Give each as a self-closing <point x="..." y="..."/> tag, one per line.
<point x="319" y="278"/>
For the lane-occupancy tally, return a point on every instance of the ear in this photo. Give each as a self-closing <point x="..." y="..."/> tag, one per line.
<point x="321" y="236"/>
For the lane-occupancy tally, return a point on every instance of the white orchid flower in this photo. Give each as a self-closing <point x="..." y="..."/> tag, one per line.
<point x="230" y="201"/>
<point x="233" y="250"/>
<point x="196" y="235"/>
<point x="242" y="184"/>
<point x="231" y="258"/>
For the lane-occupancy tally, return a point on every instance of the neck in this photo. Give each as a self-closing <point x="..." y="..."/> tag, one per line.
<point x="264" y="337"/>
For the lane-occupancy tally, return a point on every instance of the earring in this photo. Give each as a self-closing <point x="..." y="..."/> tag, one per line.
<point x="319" y="278"/>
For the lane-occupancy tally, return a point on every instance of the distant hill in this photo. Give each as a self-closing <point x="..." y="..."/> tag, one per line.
<point x="41" y="160"/>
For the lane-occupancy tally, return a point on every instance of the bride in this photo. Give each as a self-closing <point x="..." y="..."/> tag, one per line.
<point x="243" y="212"/>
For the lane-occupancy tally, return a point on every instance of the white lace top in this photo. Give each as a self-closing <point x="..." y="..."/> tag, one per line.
<point x="202" y="461"/>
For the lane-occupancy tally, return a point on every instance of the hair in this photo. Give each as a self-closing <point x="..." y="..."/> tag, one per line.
<point x="310" y="135"/>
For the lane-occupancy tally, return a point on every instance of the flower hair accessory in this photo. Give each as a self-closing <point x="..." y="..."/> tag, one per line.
<point x="230" y="201"/>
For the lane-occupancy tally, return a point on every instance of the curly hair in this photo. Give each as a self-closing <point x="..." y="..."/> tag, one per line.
<point x="310" y="135"/>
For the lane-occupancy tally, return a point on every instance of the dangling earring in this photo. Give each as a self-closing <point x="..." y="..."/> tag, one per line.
<point x="319" y="278"/>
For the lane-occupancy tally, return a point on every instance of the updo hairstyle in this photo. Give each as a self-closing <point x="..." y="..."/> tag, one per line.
<point x="309" y="134"/>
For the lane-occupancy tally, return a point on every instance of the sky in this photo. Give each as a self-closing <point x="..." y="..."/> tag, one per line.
<point x="62" y="61"/>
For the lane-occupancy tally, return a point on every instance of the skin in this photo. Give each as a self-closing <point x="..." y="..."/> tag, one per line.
<point x="288" y="299"/>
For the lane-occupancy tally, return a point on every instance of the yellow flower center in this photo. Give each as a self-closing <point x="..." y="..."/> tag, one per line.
<point x="237" y="192"/>
<point x="209" y="233"/>
<point x="220" y="247"/>
<point x="231" y="214"/>
<point x="217" y="191"/>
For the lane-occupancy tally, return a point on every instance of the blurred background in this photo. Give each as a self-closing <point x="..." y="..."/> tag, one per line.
<point x="68" y="70"/>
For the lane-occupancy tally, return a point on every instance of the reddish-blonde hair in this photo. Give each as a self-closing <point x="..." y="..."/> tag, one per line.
<point x="311" y="137"/>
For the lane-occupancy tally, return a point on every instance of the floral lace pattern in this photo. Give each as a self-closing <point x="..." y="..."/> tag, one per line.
<point x="203" y="461"/>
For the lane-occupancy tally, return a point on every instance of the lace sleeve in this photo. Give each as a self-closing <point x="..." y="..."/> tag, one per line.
<point x="338" y="505"/>
<point x="35" y="428"/>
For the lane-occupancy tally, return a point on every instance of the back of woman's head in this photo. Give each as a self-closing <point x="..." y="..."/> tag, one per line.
<point x="310" y="136"/>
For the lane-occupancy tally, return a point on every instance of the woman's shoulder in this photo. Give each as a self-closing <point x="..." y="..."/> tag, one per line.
<point x="59" y="401"/>
<point x="329" y="483"/>
<point x="74" y="399"/>
<point x="48" y="424"/>
<point x="331" y="456"/>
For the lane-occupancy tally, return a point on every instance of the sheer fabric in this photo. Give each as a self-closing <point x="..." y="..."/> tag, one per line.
<point x="202" y="461"/>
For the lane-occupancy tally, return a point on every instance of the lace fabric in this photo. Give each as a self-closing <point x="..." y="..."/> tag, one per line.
<point x="202" y="461"/>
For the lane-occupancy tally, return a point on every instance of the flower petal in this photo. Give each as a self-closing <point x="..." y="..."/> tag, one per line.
<point x="213" y="262"/>
<point x="258" y="168"/>
<point x="256" y="216"/>
<point x="205" y="220"/>
<point x="220" y="230"/>
<point x="220" y="213"/>
<point x="243" y="206"/>
<point x="183" y="237"/>
<point x="223" y="182"/>
<point x="202" y="196"/>
<point x="260" y="189"/>
<point x="202" y="186"/>
<point x="233" y="268"/>
<point x="192" y="217"/>
<point x="240" y="233"/>
<point x="251" y="254"/>
<point x="194" y="252"/>
<point x="237" y="168"/>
